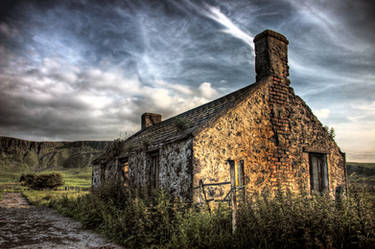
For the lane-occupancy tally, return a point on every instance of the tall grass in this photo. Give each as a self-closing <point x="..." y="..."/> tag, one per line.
<point x="282" y="221"/>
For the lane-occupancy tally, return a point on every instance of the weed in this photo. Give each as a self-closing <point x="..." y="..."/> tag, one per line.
<point x="182" y="123"/>
<point x="136" y="219"/>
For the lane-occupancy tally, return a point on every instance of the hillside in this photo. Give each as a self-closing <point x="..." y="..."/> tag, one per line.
<point x="361" y="173"/>
<point x="18" y="155"/>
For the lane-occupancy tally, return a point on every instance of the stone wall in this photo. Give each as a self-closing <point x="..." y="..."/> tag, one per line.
<point x="175" y="162"/>
<point x="308" y="135"/>
<point x="176" y="168"/>
<point x="273" y="139"/>
<point x="243" y="133"/>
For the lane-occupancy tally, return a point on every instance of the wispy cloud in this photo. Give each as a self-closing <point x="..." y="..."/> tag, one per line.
<point x="229" y="27"/>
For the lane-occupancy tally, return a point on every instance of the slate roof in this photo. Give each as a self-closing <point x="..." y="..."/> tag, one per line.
<point x="170" y="129"/>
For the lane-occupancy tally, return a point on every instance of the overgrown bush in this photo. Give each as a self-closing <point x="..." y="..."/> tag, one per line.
<point x="283" y="221"/>
<point x="45" y="181"/>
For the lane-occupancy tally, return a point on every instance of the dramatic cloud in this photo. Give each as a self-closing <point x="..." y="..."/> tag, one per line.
<point x="72" y="70"/>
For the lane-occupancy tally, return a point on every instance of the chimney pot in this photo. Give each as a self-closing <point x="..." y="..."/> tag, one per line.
<point x="150" y="119"/>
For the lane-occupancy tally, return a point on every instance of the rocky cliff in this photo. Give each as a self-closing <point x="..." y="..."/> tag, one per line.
<point x="22" y="154"/>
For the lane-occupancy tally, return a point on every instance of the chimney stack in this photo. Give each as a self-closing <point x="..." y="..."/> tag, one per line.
<point x="150" y="119"/>
<point x="271" y="55"/>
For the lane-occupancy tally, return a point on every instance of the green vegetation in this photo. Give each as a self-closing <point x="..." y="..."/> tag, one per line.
<point x="72" y="177"/>
<point x="44" y="197"/>
<point x="362" y="174"/>
<point x="42" y="181"/>
<point x="9" y="175"/>
<point x="75" y="177"/>
<point x="182" y="123"/>
<point x="331" y="131"/>
<point x="285" y="221"/>
<point x="365" y="165"/>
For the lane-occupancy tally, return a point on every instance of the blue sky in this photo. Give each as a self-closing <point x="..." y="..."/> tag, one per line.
<point x="87" y="70"/>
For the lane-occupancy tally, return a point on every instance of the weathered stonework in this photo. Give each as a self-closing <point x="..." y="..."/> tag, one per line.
<point x="175" y="173"/>
<point x="264" y="125"/>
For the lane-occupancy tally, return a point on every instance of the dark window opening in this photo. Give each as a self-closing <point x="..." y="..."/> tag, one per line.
<point x="318" y="172"/>
<point x="125" y="172"/>
<point x="154" y="169"/>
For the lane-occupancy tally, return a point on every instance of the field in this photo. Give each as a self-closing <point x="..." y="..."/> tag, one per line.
<point x="79" y="178"/>
<point x="76" y="183"/>
<point x="361" y="174"/>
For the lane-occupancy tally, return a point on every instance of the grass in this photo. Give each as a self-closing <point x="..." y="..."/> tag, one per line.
<point x="75" y="177"/>
<point x="366" y="165"/>
<point x="43" y="197"/>
<point x="72" y="177"/>
<point x="362" y="174"/>
<point x="12" y="187"/>
<point x="10" y="175"/>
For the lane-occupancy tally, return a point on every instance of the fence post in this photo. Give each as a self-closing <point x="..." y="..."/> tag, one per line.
<point x="233" y="189"/>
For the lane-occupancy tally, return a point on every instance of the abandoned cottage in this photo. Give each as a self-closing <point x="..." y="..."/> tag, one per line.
<point x="262" y="135"/>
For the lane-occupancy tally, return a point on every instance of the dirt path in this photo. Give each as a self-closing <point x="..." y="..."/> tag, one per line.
<point x="26" y="226"/>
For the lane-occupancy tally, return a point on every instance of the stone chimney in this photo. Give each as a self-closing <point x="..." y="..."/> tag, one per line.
<point x="271" y="55"/>
<point x="150" y="119"/>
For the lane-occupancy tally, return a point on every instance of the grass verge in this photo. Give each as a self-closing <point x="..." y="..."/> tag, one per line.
<point x="43" y="197"/>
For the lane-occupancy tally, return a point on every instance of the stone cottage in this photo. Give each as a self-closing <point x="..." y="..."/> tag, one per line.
<point x="262" y="135"/>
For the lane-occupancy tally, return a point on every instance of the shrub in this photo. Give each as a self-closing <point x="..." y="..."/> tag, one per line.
<point x="45" y="181"/>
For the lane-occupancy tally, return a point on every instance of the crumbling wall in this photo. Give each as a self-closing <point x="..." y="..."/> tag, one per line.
<point x="175" y="168"/>
<point x="109" y="172"/>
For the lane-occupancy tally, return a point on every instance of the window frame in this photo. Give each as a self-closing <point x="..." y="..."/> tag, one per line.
<point x="323" y="175"/>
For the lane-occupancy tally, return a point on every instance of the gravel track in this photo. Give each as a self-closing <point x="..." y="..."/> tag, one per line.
<point x="26" y="226"/>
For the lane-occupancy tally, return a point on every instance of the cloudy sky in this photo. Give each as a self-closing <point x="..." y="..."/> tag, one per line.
<point x="87" y="70"/>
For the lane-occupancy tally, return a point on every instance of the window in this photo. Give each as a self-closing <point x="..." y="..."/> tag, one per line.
<point x="237" y="173"/>
<point x="237" y="177"/>
<point x="318" y="172"/>
<point x="154" y="168"/>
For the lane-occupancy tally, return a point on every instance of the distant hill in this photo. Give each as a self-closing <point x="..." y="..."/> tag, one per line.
<point x="361" y="173"/>
<point x="17" y="154"/>
<point x="364" y="169"/>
